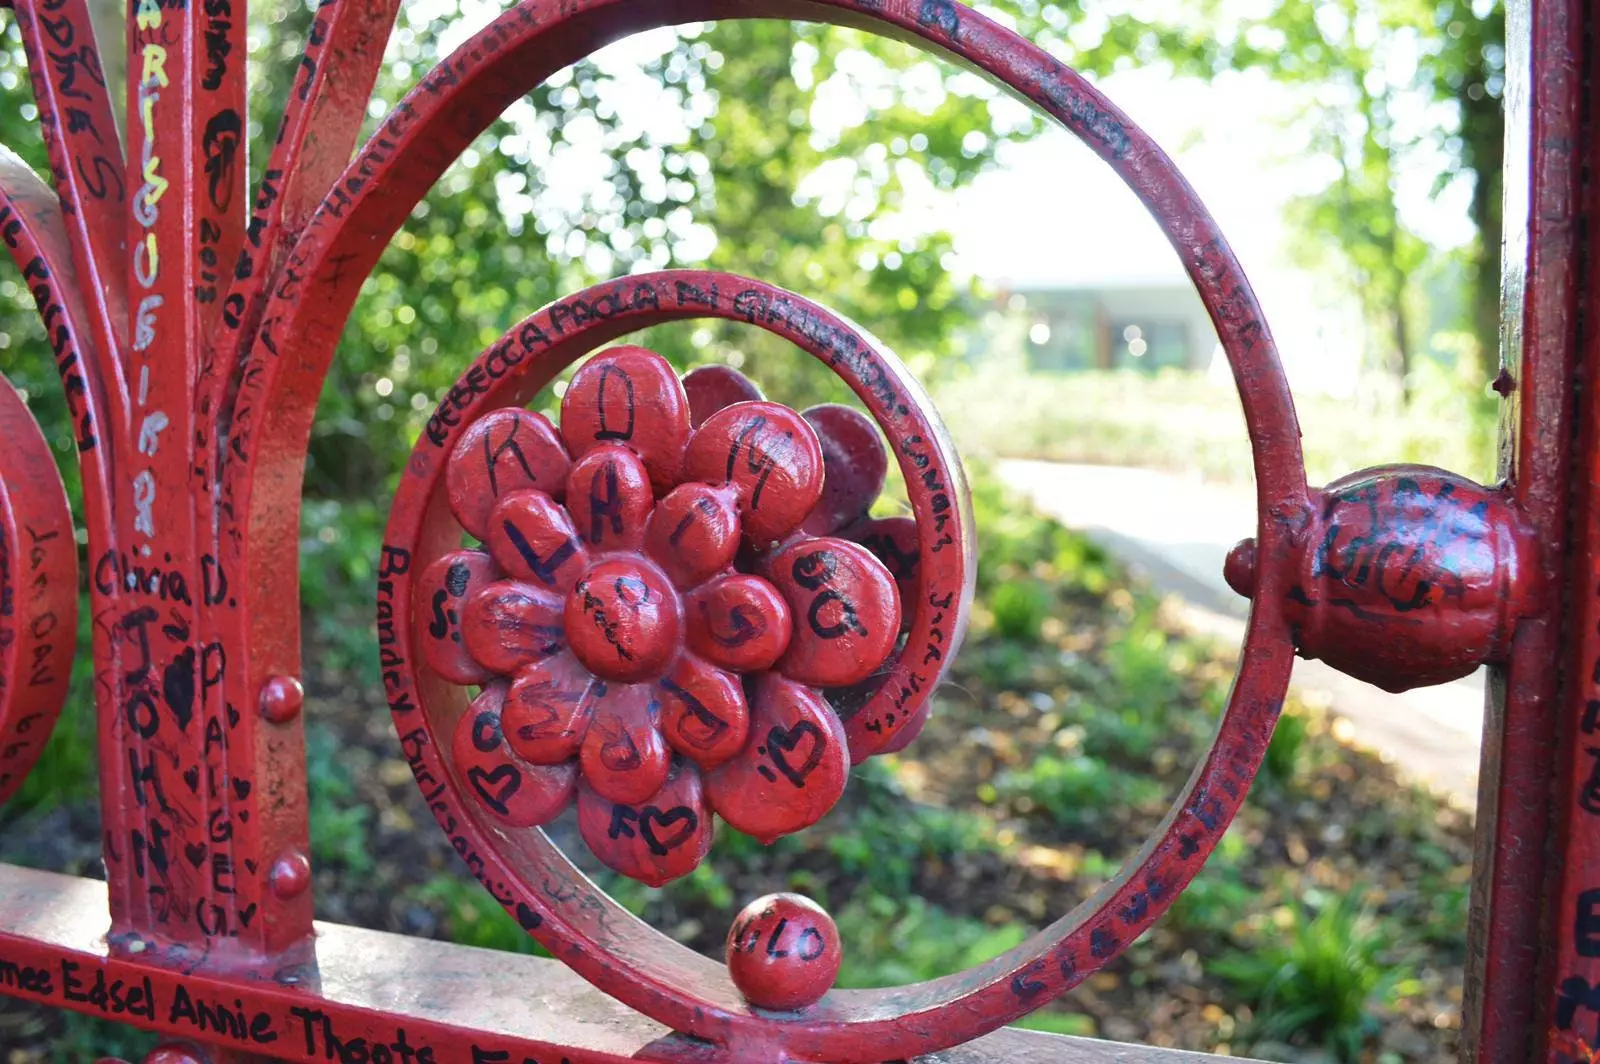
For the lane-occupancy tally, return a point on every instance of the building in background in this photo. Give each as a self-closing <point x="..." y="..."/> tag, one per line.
<point x="1144" y="328"/>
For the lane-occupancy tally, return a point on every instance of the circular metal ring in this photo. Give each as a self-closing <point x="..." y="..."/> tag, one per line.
<point x="640" y="967"/>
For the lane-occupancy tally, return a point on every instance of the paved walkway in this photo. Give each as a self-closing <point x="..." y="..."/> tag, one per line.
<point x="1177" y="530"/>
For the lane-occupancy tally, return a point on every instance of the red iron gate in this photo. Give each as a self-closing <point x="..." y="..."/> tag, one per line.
<point x="675" y="607"/>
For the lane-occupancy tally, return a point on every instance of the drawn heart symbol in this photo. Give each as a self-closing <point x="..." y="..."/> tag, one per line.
<point x="497" y="787"/>
<point x="191" y="776"/>
<point x="621" y="754"/>
<point x="195" y="852"/>
<point x="699" y="727"/>
<point x="782" y="744"/>
<point x="651" y="817"/>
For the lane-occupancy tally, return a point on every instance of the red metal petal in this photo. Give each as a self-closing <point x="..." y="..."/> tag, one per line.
<point x="792" y="768"/>
<point x="738" y="622"/>
<point x="442" y="595"/>
<point x="624" y="621"/>
<point x="624" y="757"/>
<point x="694" y="533"/>
<point x="631" y="396"/>
<point x="710" y="388"/>
<point x="532" y="538"/>
<point x="609" y="497"/>
<point x="509" y="625"/>
<point x="855" y="462"/>
<point x="548" y="710"/>
<point x="893" y="541"/>
<point x="703" y="714"/>
<point x="770" y="455"/>
<point x="655" y="841"/>
<point x="846" y="611"/>
<point x="504" y="451"/>
<point x="520" y="795"/>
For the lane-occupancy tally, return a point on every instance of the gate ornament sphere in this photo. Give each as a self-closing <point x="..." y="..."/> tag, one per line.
<point x="674" y="604"/>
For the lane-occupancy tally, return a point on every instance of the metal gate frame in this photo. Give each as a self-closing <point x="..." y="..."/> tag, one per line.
<point x="192" y="320"/>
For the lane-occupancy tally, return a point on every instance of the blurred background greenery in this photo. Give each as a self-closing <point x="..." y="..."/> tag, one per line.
<point x="1352" y="150"/>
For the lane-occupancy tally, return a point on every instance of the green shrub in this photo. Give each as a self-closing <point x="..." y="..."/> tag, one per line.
<point x="1076" y="790"/>
<point x="889" y="836"/>
<point x="472" y="918"/>
<point x="1283" y="752"/>
<point x="1020" y="608"/>
<point x="1001" y="665"/>
<point x="1312" y="982"/>
<point x="890" y="942"/>
<point x="339" y="828"/>
<point x="1216" y="899"/>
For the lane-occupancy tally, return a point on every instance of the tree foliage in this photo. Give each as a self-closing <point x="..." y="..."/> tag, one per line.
<point x="1385" y="88"/>
<point x="800" y="155"/>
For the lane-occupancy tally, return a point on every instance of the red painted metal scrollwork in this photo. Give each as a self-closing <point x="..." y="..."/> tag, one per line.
<point x="632" y="570"/>
<point x="671" y="606"/>
<point x="38" y="592"/>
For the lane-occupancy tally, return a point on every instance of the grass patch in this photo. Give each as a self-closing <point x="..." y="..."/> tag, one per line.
<point x="1185" y="421"/>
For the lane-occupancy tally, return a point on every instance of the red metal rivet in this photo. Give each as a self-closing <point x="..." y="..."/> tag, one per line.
<point x="1239" y="570"/>
<point x="281" y="699"/>
<point x="290" y="875"/>
<point x="783" y="952"/>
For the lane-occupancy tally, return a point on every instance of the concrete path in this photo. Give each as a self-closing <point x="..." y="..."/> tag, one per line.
<point x="1176" y="530"/>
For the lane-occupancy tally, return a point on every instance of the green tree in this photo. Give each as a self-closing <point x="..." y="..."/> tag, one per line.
<point x="1363" y="71"/>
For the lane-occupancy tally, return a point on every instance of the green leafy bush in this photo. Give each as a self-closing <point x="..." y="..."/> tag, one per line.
<point x="1075" y="790"/>
<point x="1283" y="752"/>
<point x="472" y="918"/>
<point x="1020" y="608"/>
<point x="889" y="837"/>
<point x="339" y="819"/>
<point x="1312" y="981"/>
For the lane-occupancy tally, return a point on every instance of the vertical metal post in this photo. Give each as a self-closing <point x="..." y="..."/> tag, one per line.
<point x="202" y="771"/>
<point x="1509" y="960"/>
<point x="1568" y="1020"/>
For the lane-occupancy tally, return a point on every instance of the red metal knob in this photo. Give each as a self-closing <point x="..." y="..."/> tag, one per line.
<point x="282" y="698"/>
<point x="290" y="874"/>
<point x="1403" y="576"/>
<point x="783" y="952"/>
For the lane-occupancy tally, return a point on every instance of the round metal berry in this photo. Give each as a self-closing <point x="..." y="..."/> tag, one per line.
<point x="783" y="952"/>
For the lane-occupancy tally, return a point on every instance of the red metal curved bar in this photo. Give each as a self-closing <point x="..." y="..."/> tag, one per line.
<point x="38" y="591"/>
<point x="602" y="941"/>
<point x="35" y="236"/>
<point x="369" y="203"/>
<point x="86" y="159"/>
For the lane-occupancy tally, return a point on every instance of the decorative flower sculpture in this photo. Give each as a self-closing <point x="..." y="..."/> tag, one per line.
<point x="660" y="602"/>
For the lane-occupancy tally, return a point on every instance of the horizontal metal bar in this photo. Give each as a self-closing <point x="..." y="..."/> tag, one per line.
<point x="440" y="1001"/>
